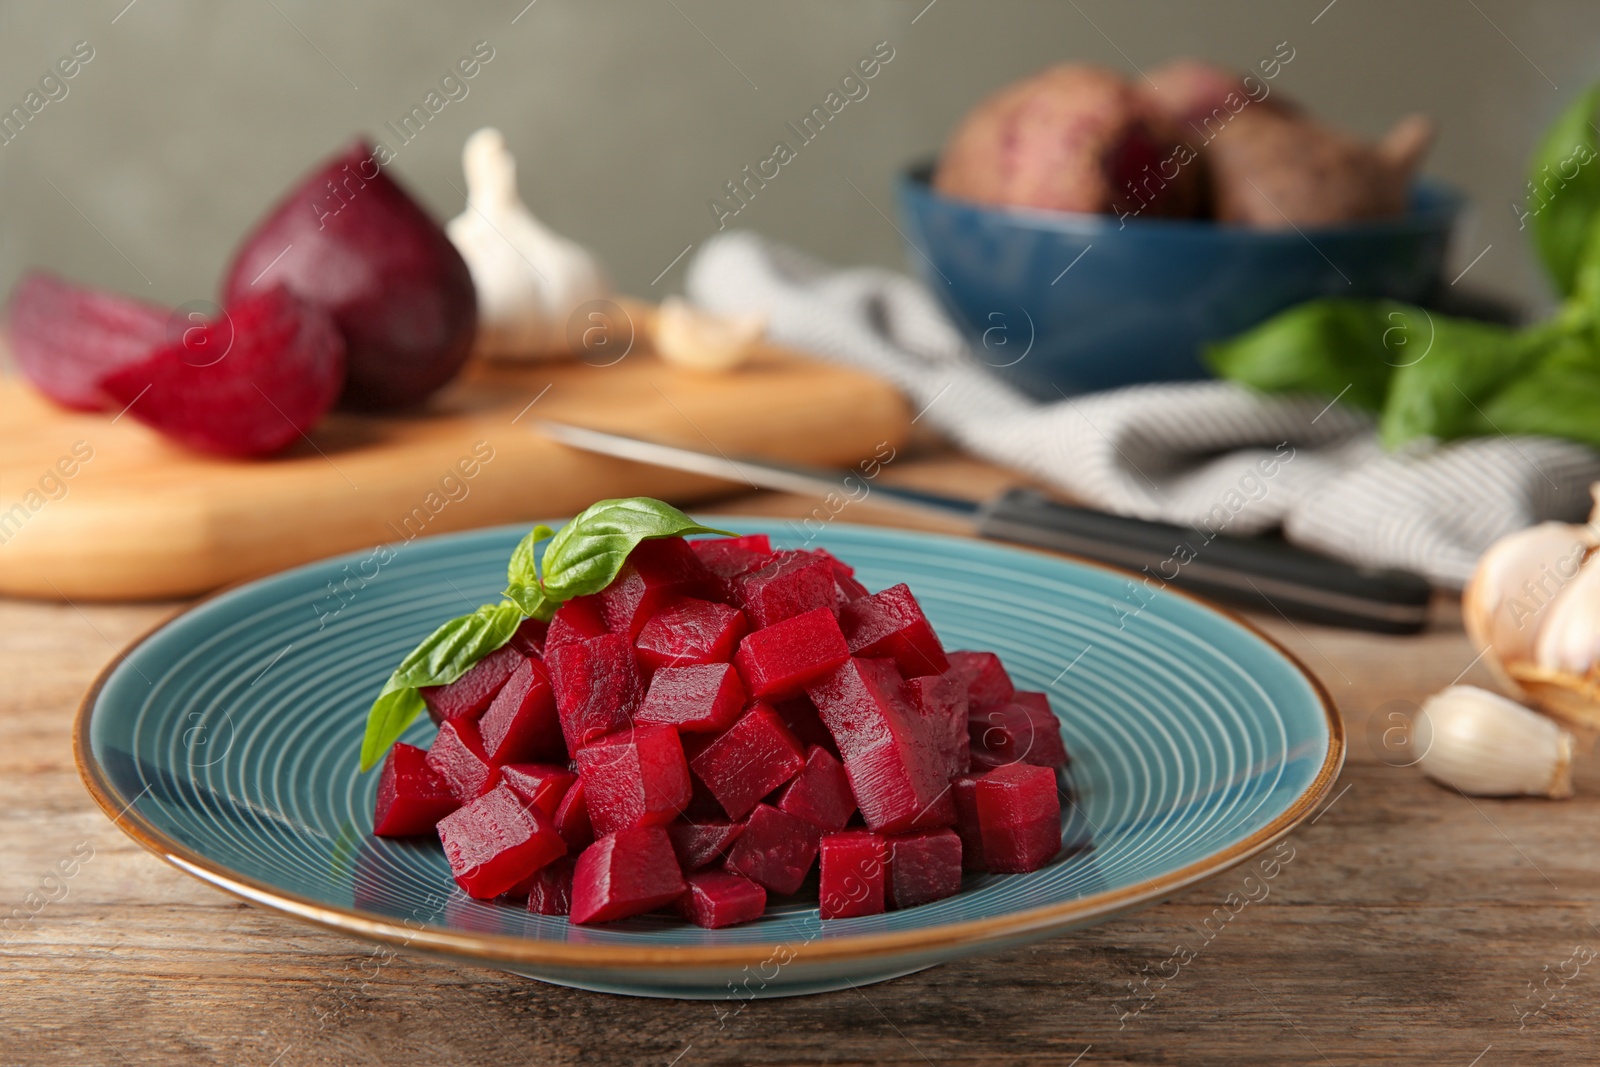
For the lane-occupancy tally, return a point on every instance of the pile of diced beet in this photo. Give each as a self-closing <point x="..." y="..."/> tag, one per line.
<point x="713" y="724"/>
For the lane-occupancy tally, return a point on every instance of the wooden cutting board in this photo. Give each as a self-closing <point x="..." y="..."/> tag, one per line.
<point x="97" y="508"/>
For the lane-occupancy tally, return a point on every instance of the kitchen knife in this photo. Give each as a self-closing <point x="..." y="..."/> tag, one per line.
<point x="1255" y="573"/>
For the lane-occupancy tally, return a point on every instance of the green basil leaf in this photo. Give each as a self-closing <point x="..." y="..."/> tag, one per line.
<point x="1564" y="190"/>
<point x="522" y="576"/>
<point x="1344" y="348"/>
<point x="588" y="552"/>
<point x="1460" y="365"/>
<point x="1558" y="397"/>
<point x="391" y="713"/>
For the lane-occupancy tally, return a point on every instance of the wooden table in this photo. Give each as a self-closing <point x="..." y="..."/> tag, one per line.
<point x="1411" y="925"/>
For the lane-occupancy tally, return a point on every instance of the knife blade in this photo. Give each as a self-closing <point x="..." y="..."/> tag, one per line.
<point x="1251" y="572"/>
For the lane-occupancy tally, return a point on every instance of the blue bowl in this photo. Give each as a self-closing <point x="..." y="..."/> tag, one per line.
<point x="1057" y="300"/>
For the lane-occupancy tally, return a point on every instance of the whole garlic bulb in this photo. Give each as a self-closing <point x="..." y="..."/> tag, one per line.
<point x="529" y="279"/>
<point x="684" y="335"/>
<point x="1533" y="605"/>
<point x="1485" y="745"/>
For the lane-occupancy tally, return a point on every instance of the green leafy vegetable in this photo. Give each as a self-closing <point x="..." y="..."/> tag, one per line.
<point x="1564" y="190"/>
<point x="1334" y="347"/>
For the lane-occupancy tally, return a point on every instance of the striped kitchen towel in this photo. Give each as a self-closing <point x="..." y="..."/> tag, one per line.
<point x="1212" y="454"/>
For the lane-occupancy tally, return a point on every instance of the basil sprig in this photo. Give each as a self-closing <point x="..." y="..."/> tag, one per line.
<point x="583" y="558"/>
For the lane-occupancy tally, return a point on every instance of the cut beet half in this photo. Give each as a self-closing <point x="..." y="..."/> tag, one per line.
<point x="626" y="873"/>
<point x="247" y="384"/>
<point x="65" y="338"/>
<point x="718" y="898"/>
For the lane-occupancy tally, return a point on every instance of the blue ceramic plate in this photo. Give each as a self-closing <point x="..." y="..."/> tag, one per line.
<point x="226" y="743"/>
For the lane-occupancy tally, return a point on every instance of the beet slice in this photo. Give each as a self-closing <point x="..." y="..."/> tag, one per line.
<point x="891" y="623"/>
<point x="412" y="797"/>
<point x="1022" y="730"/>
<point x="689" y="630"/>
<point x="246" y="385"/>
<point x="701" y="843"/>
<point x="941" y="700"/>
<point x="597" y="685"/>
<point x="718" y="898"/>
<point x="782" y="659"/>
<point x="892" y="756"/>
<point x="854" y="864"/>
<point x="924" y="866"/>
<point x="626" y="873"/>
<point x="521" y="723"/>
<point x="497" y="841"/>
<point x="1009" y="818"/>
<point x="792" y="584"/>
<point x="575" y="621"/>
<point x="703" y="698"/>
<point x="544" y="785"/>
<point x="749" y="760"/>
<point x="470" y="695"/>
<point x="988" y="684"/>
<point x="634" y="778"/>
<point x="459" y="758"/>
<point x="66" y="337"/>
<point x="550" y="888"/>
<point x="820" y="794"/>
<point x="776" y="849"/>
<point x="658" y="570"/>
<point x="572" y="819"/>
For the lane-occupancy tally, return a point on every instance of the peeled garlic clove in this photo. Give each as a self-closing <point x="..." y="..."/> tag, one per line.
<point x="684" y="335"/>
<point x="529" y="280"/>
<point x="1485" y="745"/>
<point x="1516" y="582"/>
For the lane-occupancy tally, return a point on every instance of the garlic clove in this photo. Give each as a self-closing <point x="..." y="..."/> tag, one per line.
<point x="686" y="336"/>
<point x="1516" y="582"/>
<point x="1568" y="636"/>
<point x="1485" y="745"/>
<point x="529" y="280"/>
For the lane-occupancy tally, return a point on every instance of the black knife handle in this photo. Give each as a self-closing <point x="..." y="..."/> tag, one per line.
<point x="1269" y="575"/>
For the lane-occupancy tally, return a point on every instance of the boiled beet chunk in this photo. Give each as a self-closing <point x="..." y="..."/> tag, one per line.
<point x="729" y="557"/>
<point x="924" y="866"/>
<point x="776" y="849"/>
<point x="550" y="888"/>
<point x="626" y="873"/>
<point x="578" y="619"/>
<point x="700" y="844"/>
<point x="634" y="778"/>
<point x="1019" y="731"/>
<point x="521" y="723"/>
<point x="717" y="898"/>
<point x="572" y="819"/>
<point x="459" y="758"/>
<point x="702" y="698"/>
<point x="789" y="585"/>
<point x="411" y="795"/>
<point x="853" y="868"/>
<point x="469" y="696"/>
<point x="988" y="683"/>
<point x="820" y="794"/>
<point x="749" y="760"/>
<point x="598" y="687"/>
<point x="658" y="570"/>
<point x="784" y="658"/>
<point x="800" y="716"/>
<point x="941" y="699"/>
<point x="497" y="841"/>
<point x="891" y="623"/>
<point x="529" y="638"/>
<point x="846" y="588"/>
<point x="543" y="785"/>
<point x="688" y="630"/>
<point x="1049" y="732"/>
<point x="1009" y="818"/>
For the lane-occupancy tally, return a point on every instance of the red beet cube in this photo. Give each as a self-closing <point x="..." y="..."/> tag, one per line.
<point x="521" y="723"/>
<point x="497" y="841"/>
<point x="625" y="873"/>
<point x="924" y="866"/>
<point x="729" y="557"/>
<point x="784" y="658"/>
<point x="598" y="687"/>
<point x="846" y="588"/>
<point x="550" y="888"/>
<point x="544" y="785"/>
<point x="688" y="631"/>
<point x="634" y="778"/>
<point x="700" y="844"/>
<point x="800" y="716"/>
<point x="717" y="898"/>
<point x="776" y="849"/>
<point x="469" y="696"/>
<point x="1010" y="818"/>
<point x="820" y="794"/>
<point x="458" y="756"/>
<point x="1023" y="730"/>
<point x="792" y="584"/>
<point x="576" y="620"/>
<point x="658" y="570"/>
<point x="702" y="698"/>
<point x="988" y="683"/>
<point x="891" y="623"/>
<point x="411" y="795"/>
<point x="941" y="699"/>
<point x="529" y="638"/>
<point x="572" y="819"/>
<point x="749" y="760"/>
<point x="853" y="870"/>
<point x="892" y="756"/>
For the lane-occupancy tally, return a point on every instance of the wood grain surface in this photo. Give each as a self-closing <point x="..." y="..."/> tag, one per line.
<point x="1409" y="926"/>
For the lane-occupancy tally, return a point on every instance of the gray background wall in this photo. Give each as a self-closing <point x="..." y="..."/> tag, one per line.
<point x="627" y="117"/>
